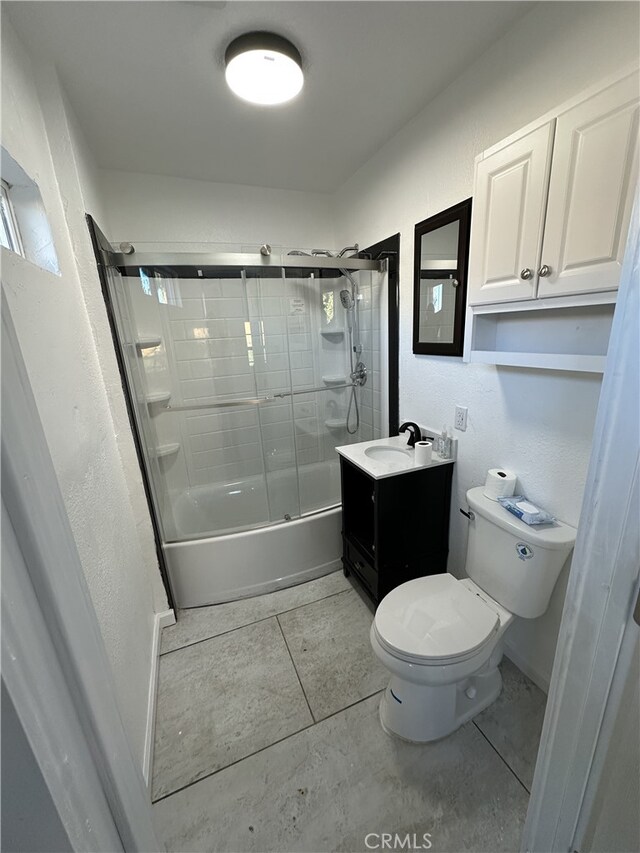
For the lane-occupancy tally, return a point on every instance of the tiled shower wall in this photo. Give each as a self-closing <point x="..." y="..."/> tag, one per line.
<point x="254" y="337"/>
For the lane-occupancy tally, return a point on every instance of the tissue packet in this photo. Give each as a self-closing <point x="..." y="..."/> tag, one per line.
<point x="526" y="511"/>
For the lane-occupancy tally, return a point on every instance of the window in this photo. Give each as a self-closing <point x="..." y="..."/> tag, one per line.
<point x="9" y="233"/>
<point x="24" y="225"/>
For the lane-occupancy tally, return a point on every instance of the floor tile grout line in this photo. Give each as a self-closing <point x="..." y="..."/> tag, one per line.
<point x="262" y="749"/>
<point x="352" y="705"/>
<point x="295" y="668"/>
<point x="501" y="757"/>
<point x="232" y="764"/>
<point x="255" y="621"/>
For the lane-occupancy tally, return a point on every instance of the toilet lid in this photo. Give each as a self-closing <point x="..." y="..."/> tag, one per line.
<point x="434" y="617"/>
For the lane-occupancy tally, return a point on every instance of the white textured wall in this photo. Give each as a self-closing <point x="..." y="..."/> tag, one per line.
<point x="66" y="344"/>
<point x="156" y="209"/>
<point x="538" y="423"/>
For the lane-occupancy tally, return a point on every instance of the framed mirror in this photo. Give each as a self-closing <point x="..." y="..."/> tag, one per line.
<point x="441" y="257"/>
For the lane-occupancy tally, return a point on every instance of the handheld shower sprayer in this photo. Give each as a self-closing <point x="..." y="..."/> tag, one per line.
<point x="347" y="300"/>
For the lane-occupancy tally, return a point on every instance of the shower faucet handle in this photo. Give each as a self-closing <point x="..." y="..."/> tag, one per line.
<point x="359" y="374"/>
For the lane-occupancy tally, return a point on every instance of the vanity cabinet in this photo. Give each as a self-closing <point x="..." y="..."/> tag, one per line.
<point x="395" y="528"/>
<point x="552" y="206"/>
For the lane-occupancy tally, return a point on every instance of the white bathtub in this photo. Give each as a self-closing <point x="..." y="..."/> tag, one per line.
<point x="228" y="566"/>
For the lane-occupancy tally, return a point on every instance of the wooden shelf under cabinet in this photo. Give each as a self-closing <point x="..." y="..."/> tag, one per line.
<point x="568" y="338"/>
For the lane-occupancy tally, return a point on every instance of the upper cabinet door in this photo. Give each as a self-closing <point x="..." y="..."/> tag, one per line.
<point x="591" y="192"/>
<point x="506" y="229"/>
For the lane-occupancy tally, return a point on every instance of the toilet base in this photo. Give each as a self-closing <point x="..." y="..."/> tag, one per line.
<point x="420" y="713"/>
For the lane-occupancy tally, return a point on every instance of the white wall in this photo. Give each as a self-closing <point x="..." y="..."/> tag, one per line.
<point x="66" y="344"/>
<point x="537" y="423"/>
<point x="156" y="209"/>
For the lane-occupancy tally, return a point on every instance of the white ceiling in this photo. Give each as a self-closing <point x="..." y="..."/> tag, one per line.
<point x="146" y="80"/>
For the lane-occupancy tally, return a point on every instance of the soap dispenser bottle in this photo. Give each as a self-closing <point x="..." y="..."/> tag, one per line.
<point x="444" y="445"/>
<point x="448" y="444"/>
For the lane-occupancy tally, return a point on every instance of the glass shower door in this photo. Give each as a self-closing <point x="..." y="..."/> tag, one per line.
<point x="207" y="373"/>
<point x="270" y="344"/>
<point x="241" y="378"/>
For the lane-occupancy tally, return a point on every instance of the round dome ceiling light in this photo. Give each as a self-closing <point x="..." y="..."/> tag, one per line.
<point x="263" y="68"/>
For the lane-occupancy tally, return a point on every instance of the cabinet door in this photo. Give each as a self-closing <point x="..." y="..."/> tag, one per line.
<point x="508" y="215"/>
<point x="591" y="192"/>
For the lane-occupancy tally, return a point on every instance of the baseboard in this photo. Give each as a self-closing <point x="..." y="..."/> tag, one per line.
<point x="531" y="672"/>
<point x="161" y="620"/>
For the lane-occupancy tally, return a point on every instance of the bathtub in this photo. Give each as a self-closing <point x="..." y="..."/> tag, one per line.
<point x="276" y="553"/>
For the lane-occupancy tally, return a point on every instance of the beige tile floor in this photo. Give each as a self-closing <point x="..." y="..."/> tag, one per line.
<point x="268" y="739"/>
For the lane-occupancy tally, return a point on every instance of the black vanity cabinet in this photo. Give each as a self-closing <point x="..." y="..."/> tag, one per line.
<point x="396" y="528"/>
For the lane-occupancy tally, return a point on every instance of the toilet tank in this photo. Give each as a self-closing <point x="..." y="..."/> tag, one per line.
<point x="516" y="564"/>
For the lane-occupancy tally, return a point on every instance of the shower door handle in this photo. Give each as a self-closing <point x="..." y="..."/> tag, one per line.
<point x="254" y="401"/>
<point x="281" y="394"/>
<point x="247" y="401"/>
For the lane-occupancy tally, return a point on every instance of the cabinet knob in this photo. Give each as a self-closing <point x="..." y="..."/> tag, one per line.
<point x="525" y="273"/>
<point x="544" y="271"/>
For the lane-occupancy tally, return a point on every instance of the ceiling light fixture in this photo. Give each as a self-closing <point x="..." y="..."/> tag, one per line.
<point x="263" y="68"/>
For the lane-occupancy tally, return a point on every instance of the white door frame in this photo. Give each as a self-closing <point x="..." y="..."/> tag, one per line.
<point x="602" y="590"/>
<point x="54" y="662"/>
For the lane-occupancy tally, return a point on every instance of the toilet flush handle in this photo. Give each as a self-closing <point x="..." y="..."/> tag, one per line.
<point x="470" y="515"/>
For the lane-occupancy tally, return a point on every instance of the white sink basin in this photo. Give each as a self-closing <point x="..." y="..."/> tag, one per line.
<point x="383" y="453"/>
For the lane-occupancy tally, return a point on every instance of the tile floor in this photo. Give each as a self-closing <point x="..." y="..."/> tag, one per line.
<point x="268" y="739"/>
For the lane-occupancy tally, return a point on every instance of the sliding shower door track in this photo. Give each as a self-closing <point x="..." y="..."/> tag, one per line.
<point x="202" y="260"/>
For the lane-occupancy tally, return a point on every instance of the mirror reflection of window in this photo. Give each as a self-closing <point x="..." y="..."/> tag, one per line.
<point x="436" y="298"/>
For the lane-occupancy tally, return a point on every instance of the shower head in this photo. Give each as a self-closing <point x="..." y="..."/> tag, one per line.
<point x="347" y="300"/>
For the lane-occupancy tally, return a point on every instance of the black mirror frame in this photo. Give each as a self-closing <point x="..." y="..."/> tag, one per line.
<point x="461" y="212"/>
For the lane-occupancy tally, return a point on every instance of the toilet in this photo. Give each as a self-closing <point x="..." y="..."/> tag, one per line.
<point x="441" y="638"/>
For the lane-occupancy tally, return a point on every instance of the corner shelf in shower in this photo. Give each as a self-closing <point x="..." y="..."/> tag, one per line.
<point x="148" y="343"/>
<point x="332" y="334"/>
<point x="336" y="423"/>
<point x="164" y="450"/>
<point x="334" y="379"/>
<point x="158" y="397"/>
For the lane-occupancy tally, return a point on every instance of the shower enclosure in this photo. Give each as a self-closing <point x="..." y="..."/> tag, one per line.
<point x="244" y="372"/>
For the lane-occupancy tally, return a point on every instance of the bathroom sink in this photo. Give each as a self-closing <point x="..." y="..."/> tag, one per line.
<point x="383" y="453"/>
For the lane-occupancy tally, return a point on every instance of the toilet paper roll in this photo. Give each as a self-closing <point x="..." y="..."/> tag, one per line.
<point x="422" y="453"/>
<point x="500" y="483"/>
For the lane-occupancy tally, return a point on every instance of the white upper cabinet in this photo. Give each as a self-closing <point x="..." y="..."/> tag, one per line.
<point x="508" y="217"/>
<point x="593" y="176"/>
<point x="551" y="209"/>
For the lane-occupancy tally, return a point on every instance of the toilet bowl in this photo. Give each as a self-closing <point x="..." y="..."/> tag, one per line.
<point x="441" y="638"/>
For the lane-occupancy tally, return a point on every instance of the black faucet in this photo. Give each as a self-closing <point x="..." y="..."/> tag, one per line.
<point x="414" y="432"/>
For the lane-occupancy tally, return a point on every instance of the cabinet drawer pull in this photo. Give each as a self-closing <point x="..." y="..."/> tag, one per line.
<point x="525" y="273"/>
<point x="544" y="271"/>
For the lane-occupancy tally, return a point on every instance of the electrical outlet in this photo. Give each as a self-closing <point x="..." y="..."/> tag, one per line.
<point x="461" y="418"/>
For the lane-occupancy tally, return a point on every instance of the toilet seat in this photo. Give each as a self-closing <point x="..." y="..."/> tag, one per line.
<point x="434" y="620"/>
